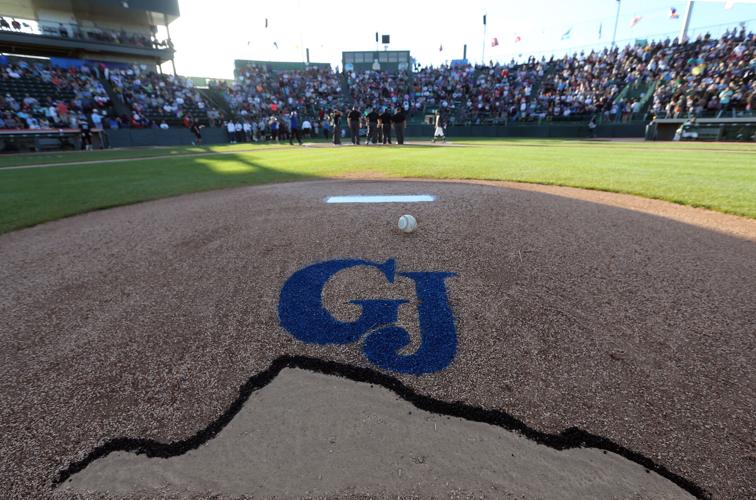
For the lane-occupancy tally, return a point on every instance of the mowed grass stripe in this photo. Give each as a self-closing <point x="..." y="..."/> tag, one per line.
<point x="723" y="180"/>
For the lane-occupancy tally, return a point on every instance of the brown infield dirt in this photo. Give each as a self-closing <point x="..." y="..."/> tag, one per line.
<point x="579" y="324"/>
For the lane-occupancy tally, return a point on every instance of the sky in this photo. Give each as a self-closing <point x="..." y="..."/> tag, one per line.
<point x="210" y="35"/>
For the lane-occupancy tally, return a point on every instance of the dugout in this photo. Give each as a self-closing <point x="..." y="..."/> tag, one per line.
<point x="708" y="129"/>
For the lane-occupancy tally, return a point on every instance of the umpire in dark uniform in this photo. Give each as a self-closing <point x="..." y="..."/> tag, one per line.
<point x="336" y="125"/>
<point x="399" y="119"/>
<point x="372" y="119"/>
<point x="354" y="125"/>
<point x="386" y="119"/>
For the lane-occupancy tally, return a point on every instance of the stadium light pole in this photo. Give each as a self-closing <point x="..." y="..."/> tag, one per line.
<point x="483" y="57"/>
<point x="686" y="22"/>
<point x="616" y="22"/>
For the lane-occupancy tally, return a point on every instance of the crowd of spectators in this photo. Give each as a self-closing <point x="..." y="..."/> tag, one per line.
<point x="154" y="99"/>
<point x="257" y="91"/>
<point x="37" y="95"/>
<point x="376" y="88"/>
<point x="56" y="97"/>
<point x="707" y="76"/>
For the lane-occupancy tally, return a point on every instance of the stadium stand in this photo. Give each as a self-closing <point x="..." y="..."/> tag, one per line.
<point x="154" y="99"/>
<point x="707" y="77"/>
<point x="36" y="95"/>
<point x="620" y="85"/>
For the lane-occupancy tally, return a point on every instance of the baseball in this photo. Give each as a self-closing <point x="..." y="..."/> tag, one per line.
<point x="407" y="223"/>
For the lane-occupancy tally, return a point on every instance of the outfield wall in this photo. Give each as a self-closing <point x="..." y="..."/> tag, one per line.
<point x="131" y="137"/>
<point x="124" y="138"/>
<point x="563" y="131"/>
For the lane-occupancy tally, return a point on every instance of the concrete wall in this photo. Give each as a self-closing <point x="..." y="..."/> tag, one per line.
<point x="124" y="138"/>
<point x="564" y="131"/>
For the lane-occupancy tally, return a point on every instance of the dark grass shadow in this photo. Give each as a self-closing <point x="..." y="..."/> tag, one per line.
<point x="33" y="196"/>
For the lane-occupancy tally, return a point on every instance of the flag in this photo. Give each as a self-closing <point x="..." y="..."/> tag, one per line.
<point x="518" y="38"/>
<point x="441" y="48"/>
<point x="484" y="19"/>
<point x="673" y="13"/>
<point x="494" y="42"/>
<point x="275" y="44"/>
<point x="635" y="21"/>
<point x="729" y="4"/>
<point x="601" y="26"/>
<point x="567" y="34"/>
<point x="266" y="22"/>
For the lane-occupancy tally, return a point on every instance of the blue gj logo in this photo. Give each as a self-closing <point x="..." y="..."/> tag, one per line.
<point x="301" y="312"/>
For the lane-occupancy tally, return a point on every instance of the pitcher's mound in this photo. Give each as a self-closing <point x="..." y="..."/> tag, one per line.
<point x="534" y="312"/>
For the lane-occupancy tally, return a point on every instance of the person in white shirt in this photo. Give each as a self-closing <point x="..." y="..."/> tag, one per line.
<point x="239" y="129"/>
<point x="231" y="129"/>
<point x="306" y="128"/>
<point x="247" y="131"/>
<point x="164" y="125"/>
<point x="96" y="119"/>
<point x="51" y="113"/>
<point x="253" y="125"/>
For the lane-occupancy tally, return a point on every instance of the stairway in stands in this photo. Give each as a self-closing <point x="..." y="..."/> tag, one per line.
<point x="216" y="100"/>
<point x="120" y="107"/>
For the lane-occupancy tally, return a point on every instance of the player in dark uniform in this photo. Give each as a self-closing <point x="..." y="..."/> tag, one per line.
<point x="194" y="128"/>
<point x="354" y="125"/>
<point x="379" y="129"/>
<point x="386" y="119"/>
<point x="372" y="119"/>
<point x="336" y="125"/>
<point x="86" y="133"/>
<point x="399" y="119"/>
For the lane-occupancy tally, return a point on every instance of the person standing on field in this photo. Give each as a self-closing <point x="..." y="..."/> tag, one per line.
<point x="386" y="119"/>
<point x="294" y="129"/>
<point x="372" y="119"/>
<point x="354" y="125"/>
<point x="239" y="128"/>
<point x="231" y="129"/>
<point x="438" y="134"/>
<point x="273" y="123"/>
<point x="195" y="129"/>
<point x="336" y="124"/>
<point x="399" y="120"/>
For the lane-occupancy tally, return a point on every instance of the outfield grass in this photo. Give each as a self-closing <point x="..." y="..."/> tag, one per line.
<point x="716" y="176"/>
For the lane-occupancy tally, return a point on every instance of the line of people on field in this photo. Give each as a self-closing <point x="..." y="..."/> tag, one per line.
<point x="288" y="126"/>
<point x="378" y="124"/>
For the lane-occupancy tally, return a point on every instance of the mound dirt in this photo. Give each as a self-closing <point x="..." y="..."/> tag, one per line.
<point x="144" y="321"/>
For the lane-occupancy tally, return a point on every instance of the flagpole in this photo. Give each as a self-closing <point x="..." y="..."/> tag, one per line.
<point x="684" y="30"/>
<point x="616" y="22"/>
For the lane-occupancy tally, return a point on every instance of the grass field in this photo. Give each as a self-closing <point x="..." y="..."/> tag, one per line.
<point x="716" y="176"/>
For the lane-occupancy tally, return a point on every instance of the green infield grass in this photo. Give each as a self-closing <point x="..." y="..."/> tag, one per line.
<point x="717" y="176"/>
